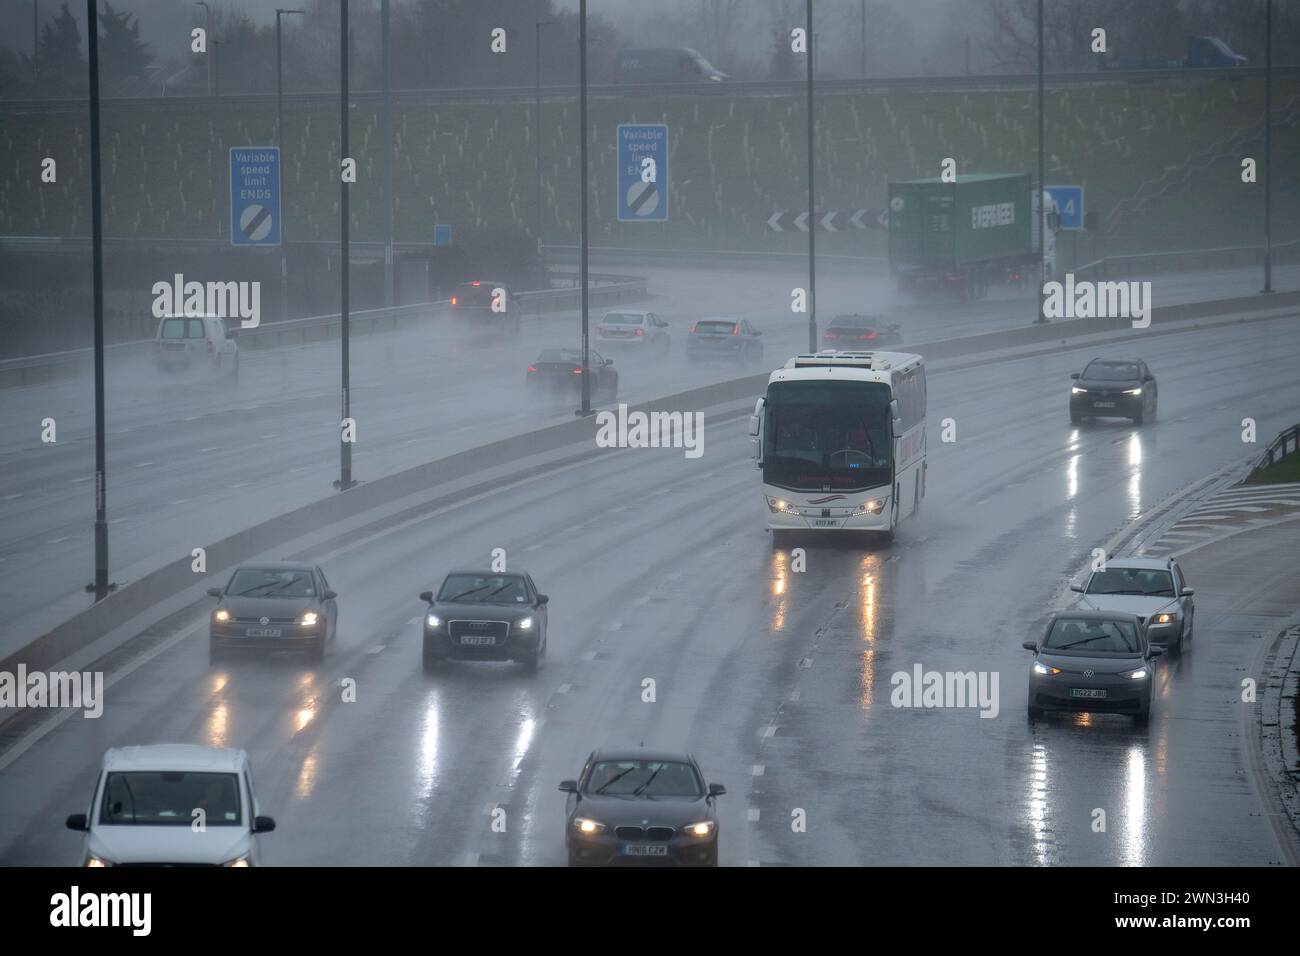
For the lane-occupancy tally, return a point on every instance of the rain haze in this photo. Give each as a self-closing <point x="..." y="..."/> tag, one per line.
<point x="867" y="445"/>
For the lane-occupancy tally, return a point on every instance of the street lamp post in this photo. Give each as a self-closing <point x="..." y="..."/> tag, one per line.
<point x="389" y="290"/>
<point x="582" y="162"/>
<point x="812" y="209"/>
<point x="345" y="447"/>
<point x="279" y="142"/>
<point x="1040" y="318"/>
<point x="1268" y="146"/>
<point x="208" y="28"/>
<point x="537" y="126"/>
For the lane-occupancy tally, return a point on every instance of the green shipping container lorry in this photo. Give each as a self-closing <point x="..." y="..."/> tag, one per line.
<point x="962" y="237"/>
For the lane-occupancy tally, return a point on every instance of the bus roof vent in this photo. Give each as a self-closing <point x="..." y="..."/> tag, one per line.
<point x="867" y="360"/>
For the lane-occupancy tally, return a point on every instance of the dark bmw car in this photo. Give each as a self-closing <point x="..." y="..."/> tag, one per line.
<point x="485" y="304"/>
<point x="1110" y="388"/>
<point x="637" y="806"/>
<point x="560" y="371"/>
<point x="853" y="332"/>
<point x="1092" y="661"/>
<point x="273" y="606"/>
<point x="484" y="616"/>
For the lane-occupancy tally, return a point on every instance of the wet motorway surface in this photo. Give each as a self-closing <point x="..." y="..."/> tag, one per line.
<point x="778" y="680"/>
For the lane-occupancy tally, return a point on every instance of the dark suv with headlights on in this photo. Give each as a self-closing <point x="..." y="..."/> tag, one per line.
<point x="637" y="806"/>
<point x="273" y="606"/>
<point x="1108" y="388"/>
<point x="484" y="616"/>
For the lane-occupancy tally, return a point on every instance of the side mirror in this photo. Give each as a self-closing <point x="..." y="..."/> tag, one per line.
<point x="568" y="786"/>
<point x="215" y="592"/>
<point x="1155" y="651"/>
<point x="1030" y="646"/>
<point x="609" y="361"/>
<point x="717" y="790"/>
<point x="329" y="595"/>
<point x="1077" y="587"/>
<point x="1187" y="592"/>
<point x="543" y="598"/>
<point x="1148" y="378"/>
<point x="1074" y="375"/>
<point x="263" y="824"/>
<point x="77" y="821"/>
<point x="426" y="597"/>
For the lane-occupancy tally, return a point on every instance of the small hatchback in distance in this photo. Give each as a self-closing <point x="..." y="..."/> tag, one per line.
<point x="636" y="330"/>
<point x="719" y="338"/>
<point x="273" y="606"/>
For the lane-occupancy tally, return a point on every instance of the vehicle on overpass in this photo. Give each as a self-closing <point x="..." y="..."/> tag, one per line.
<point x="959" y="238"/>
<point x="678" y="64"/>
<point x="636" y="806"/>
<point x="840" y="439"/>
<point x="149" y="800"/>
<point x="1203" y="53"/>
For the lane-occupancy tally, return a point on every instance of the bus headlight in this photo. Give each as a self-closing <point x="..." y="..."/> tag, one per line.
<point x="873" y="507"/>
<point x="780" y="506"/>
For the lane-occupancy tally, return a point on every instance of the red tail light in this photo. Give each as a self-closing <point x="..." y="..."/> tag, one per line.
<point x="476" y="283"/>
<point x="735" y="330"/>
<point x="830" y="336"/>
<point x="532" y="368"/>
<point x="577" y="371"/>
<point x="868" y="336"/>
<point x="640" y="333"/>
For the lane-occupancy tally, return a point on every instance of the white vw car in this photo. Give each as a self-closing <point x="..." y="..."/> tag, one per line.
<point x="1153" y="589"/>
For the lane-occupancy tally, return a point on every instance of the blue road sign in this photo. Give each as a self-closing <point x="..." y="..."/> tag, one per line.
<point x="254" y="196"/>
<point x="1069" y="201"/>
<point x="643" y="172"/>
<point x="441" y="234"/>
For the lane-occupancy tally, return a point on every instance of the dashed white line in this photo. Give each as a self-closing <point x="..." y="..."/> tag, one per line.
<point x="794" y="695"/>
<point x="769" y="731"/>
<point x="757" y="770"/>
<point x="377" y="649"/>
<point x="754" y="814"/>
<point x="564" y="688"/>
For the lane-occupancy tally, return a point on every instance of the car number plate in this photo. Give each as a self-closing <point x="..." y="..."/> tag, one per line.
<point x="263" y="632"/>
<point x="1103" y="404"/>
<point x="645" y="849"/>
<point x="485" y="639"/>
<point x="826" y="523"/>
<point x="1091" y="692"/>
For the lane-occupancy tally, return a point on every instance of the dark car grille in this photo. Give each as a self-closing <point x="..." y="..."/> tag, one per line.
<point x="497" y="630"/>
<point x="658" y="834"/>
<point x="255" y="621"/>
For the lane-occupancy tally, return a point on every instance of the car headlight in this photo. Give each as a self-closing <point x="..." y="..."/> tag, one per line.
<point x="702" y="829"/>
<point x="526" y="624"/>
<point x="873" y="507"/>
<point x="221" y="615"/>
<point x="588" y="826"/>
<point x="1140" y="673"/>
<point x="1041" y="668"/>
<point x="309" y="619"/>
<point x="238" y="861"/>
<point x="433" y="620"/>
<point x="1165" y="617"/>
<point x="1132" y="391"/>
<point x="1076" y="390"/>
<point x="781" y="507"/>
<point x="97" y="861"/>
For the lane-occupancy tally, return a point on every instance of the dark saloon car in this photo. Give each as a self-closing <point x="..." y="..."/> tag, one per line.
<point x="637" y="806"/>
<point x="485" y="304"/>
<point x="560" y="370"/>
<point x="273" y="606"/>
<point x="484" y="616"/>
<point x="732" y="339"/>
<point x="1109" y="388"/>
<point x="855" y="332"/>
<point x="1092" y="661"/>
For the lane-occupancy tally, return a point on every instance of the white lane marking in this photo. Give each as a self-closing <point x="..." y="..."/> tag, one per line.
<point x="619" y="510"/>
<point x="616" y="626"/>
<point x="26" y="743"/>
<point x="59" y="540"/>
<point x="769" y="730"/>
<point x="673" y="576"/>
<point x="642" y="600"/>
<point x="117" y="520"/>
<point x="564" y="688"/>
<point x="181" y="501"/>
<point x="533" y="547"/>
<point x="241" y="484"/>
<point x="794" y="695"/>
<point x="203" y="451"/>
<point x="754" y="814"/>
<point x="377" y="649"/>
<point x="757" y="770"/>
<point x="17" y="494"/>
<point x="589" y="656"/>
<point x="77" y="481"/>
<point x="1204" y="517"/>
<point x="144" y="464"/>
<point x="471" y="859"/>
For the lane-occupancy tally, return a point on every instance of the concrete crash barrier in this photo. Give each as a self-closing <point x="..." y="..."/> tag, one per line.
<point x="138" y="597"/>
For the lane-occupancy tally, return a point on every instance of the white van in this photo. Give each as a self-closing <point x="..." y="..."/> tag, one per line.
<point x="172" y="805"/>
<point x="195" y="341"/>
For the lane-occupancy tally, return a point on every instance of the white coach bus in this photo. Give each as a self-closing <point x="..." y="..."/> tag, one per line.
<point x="840" y="438"/>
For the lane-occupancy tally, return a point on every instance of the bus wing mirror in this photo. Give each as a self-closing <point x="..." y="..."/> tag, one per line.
<point x="756" y="431"/>
<point x="897" y="415"/>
